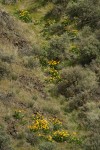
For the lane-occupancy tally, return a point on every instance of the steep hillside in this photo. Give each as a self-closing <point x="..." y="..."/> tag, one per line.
<point x="49" y="75"/>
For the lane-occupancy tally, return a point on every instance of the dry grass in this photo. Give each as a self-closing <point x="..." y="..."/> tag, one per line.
<point x="26" y="88"/>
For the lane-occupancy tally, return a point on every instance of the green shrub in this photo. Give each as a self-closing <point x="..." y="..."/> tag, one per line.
<point x="4" y="141"/>
<point x="89" y="120"/>
<point x="9" y="1"/>
<point x="51" y="110"/>
<point x="14" y="76"/>
<point x="88" y="46"/>
<point x="4" y="70"/>
<point x="24" y="15"/>
<point x="59" y="2"/>
<point x="95" y="67"/>
<point x="47" y="146"/>
<point x="58" y="9"/>
<point x="43" y="2"/>
<point x="55" y="13"/>
<point x="6" y="58"/>
<point x="86" y="11"/>
<point x="92" y="138"/>
<point x="76" y="81"/>
<point x="58" y="47"/>
<point x="18" y="115"/>
<point x="53" y="29"/>
<point x="31" y="62"/>
<point x="77" y="102"/>
<point x="84" y="48"/>
<point x="32" y="139"/>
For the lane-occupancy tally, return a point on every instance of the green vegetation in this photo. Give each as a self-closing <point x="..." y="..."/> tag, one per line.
<point x="24" y="16"/>
<point x="4" y="140"/>
<point x="49" y="75"/>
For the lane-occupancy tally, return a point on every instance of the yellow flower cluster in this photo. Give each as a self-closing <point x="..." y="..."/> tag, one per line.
<point x="53" y="62"/>
<point x="54" y="75"/>
<point x="50" y="129"/>
<point x="56" y="121"/>
<point x="49" y="138"/>
<point x="37" y="116"/>
<point x="23" y="12"/>
<point x="46" y="129"/>
<point x="24" y="15"/>
<point x="62" y="133"/>
<point x="39" y="123"/>
<point x="61" y="136"/>
<point x="57" y="124"/>
<point x="53" y="72"/>
<point x="46" y="137"/>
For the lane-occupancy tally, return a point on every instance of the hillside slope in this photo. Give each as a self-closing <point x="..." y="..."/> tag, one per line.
<point x="49" y="75"/>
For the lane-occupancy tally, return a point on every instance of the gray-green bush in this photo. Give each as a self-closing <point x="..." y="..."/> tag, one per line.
<point x="76" y="80"/>
<point x="4" y="141"/>
<point x="88" y="46"/>
<point x="47" y="146"/>
<point x="4" y="69"/>
<point x="58" y="47"/>
<point x="86" y="11"/>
